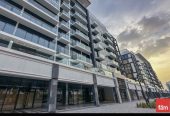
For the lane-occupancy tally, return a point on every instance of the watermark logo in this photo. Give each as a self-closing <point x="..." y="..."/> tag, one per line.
<point x="163" y="105"/>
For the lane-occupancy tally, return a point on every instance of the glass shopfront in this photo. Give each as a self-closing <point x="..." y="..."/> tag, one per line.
<point x="107" y="95"/>
<point x="122" y="89"/>
<point x="140" y="94"/>
<point x="133" y="94"/>
<point x="74" y="94"/>
<point x="20" y="93"/>
<point x="123" y="95"/>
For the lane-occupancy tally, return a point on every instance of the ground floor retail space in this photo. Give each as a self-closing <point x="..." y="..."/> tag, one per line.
<point x="22" y="93"/>
<point x="133" y="94"/>
<point x="107" y="95"/>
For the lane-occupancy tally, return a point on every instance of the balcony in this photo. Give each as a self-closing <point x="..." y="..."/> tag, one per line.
<point x="106" y="34"/>
<point x="117" y="74"/>
<point x="98" y="46"/>
<point x="94" y="24"/>
<point x="79" y="17"/>
<point x="112" y="55"/>
<point x="32" y="23"/>
<point x="39" y="10"/>
<point x="26" y="43"/>
<point x="80" y="26"/>
<point x="96" y="38"/>
<point x="113" y="63"/>
<point x="79" y="9"/>
<point x="52" y="5"/>
<point x="65" y="6"/>
<point x="64" y="61"/>
<point x="80" y="59"/>
<point x="63" y="54"/>
<point x="100" y="57"/>
<point x="110" y="47"/>
<point x="65" y="15"/>
<point x="108" y="41"/>
<point x="81" y="47"/>
<point x="95" y="31"/>
<point x="64" y="26"/>
<point x="101" y="67"/>
<point x="78" y="34"/>
<point x="39" y="22"/>
<point x="64" y="38"/>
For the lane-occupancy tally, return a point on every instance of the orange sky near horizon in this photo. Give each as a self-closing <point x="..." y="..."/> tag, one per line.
<point x="161" y="65"/>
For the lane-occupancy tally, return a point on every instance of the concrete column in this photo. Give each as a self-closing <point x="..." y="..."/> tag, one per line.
<point x="10" y="44"/>
<point x="137" y="92"/>
<point x="117" y="91"/>
<point x="53" y="96"/>
<point x="66" y="94"/>
<point x="96" y="96"/>
<point x="127" y="91"/>
<point x="52" y="101"/>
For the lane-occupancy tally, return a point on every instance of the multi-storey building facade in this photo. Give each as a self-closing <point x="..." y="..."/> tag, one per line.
<point x="139" y="69"/>
<point x="55" y="53"/>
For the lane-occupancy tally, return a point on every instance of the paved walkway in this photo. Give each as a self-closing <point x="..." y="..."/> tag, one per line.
<point x="129" y="107"/>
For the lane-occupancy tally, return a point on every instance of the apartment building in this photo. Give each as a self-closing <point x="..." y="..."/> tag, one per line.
<point x="138" y="69"/>
<point x="168" y="85"/>
<point x="53" y="54"/>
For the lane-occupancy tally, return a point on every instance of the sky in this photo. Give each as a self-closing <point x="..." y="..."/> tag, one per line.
<point x="140" y="26"/>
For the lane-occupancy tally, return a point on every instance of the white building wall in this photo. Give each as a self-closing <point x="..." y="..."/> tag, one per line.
<point x="73" y="75"/>
<point x="105" y="81"/>
<point x="21" y="64"/>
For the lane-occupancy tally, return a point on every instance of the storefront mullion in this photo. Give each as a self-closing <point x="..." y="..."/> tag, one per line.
<point x="3" y="96"/>
<point x="33" y="98"/>
<point x="38" y="98"/>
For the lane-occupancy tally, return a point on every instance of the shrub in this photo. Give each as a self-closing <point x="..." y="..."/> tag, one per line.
<point x="144" y="105"/>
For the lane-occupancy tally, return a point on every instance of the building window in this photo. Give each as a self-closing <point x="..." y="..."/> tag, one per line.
<point x="35" y="37"/>
<point x="4" y="43"/>
<point x="20" y="33"/>
<point x="7" y="25"/>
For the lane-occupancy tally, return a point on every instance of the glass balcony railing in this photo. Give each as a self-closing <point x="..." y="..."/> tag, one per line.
<point x="64" y="23"/>
<point x="112" y="62"/>
<point x="82" y="46"/>
<point x="80" y="24"/>
<point x="79" y="8"/>
<point x="82" y="58"/>
<point x="54" y="3"/>
<point x="64" y="61"/>
<point x="10" y="7"/>
<point x="62" y="50"/>
<point x="39" y="22"/>
<point x="27" y="16"/>
<point x="43" y="9"/>
<point x="65" y="36"/>
<point x="65" y="13"/>
<point x="65" y="4"/>
<point x="111" y="54"/>
<point x="80" y="33"/>
<point x="79" y="15"/>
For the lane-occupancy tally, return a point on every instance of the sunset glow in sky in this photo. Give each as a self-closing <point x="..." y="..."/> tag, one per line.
<point x="141" y="26"/>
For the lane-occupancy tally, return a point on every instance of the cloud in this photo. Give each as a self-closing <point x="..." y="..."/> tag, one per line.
<point x="154" y="24"/>
<point x="129" y="35"/>
<point x="149" y="35"/>
<point x="155" y="48"/>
